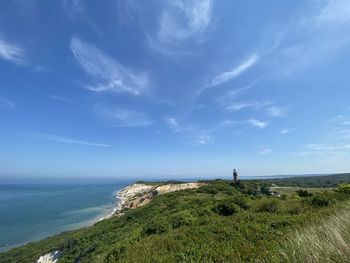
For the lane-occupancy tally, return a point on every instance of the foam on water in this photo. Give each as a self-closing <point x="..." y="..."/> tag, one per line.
<point x="32" y="212"/>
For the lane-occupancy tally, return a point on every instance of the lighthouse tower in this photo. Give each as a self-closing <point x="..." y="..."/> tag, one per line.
<point x="235" y="176"/>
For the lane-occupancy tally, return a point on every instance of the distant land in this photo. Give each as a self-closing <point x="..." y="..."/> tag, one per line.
<point x="102" y="180"/>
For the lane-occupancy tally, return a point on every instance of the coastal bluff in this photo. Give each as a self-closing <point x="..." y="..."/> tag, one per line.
<point x="140" y="194"/>
<point x="132" y="197"/>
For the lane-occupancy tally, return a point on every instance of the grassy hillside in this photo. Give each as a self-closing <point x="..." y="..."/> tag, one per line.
<point x="219" y="222"/>
<point x="326" y="241"/>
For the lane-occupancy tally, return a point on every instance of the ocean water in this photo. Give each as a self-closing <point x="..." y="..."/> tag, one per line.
<point x="31" y="212"/>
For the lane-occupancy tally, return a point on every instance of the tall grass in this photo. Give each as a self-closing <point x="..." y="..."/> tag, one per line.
<point x="327" y="241"/>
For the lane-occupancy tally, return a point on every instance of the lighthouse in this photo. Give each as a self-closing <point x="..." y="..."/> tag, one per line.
<point x="235" y="176"/>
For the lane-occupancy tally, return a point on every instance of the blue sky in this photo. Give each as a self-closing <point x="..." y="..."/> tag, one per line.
<point x="174" y="88"/>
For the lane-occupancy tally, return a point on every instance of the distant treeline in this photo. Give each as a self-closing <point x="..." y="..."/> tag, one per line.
<point x="320" y="181"/>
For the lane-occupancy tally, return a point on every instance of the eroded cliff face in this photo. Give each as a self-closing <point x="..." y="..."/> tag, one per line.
<point x="132" y="196"/>
<point x="51" y="257"/>
<point x="137" y="195"/>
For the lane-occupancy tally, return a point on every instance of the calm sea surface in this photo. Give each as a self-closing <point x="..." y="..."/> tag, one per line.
<point x="31" y="212"/>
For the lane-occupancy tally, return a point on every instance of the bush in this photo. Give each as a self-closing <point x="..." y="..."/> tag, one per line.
<point x="183" y="218"/>
<point x="156" y="226"/>
<point x="226" y="207"/>
<point x="240" y="201"/>
<point x="208" y="189"/>
<point x="303" y="193"/>
<point x="265" y="190"/>
<point x="295" y="208"/>
<point x="218" y="186"/>
<point x="321" y="200"/>
<point x="116" y="254"/>
<point x="270" y="206"/>
<point x="344" y="188"/>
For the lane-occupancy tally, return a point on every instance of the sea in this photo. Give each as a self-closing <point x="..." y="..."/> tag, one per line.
<point x="30" y="212"/>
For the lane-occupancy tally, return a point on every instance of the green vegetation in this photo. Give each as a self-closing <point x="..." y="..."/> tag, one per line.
<point x="326" y="241"/>
<point x="325" y="181"/>
<point x="218" y="222"/>
<point x="156" y="183"/>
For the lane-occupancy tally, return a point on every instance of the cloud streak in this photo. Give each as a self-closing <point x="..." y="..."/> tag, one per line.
<point x="61" y="139"/>
<point x="257" y="123"/>
<point x="193" y="20"/>
<point x="180" y="22"/>
<point x="234" y="72"/>
<point x="317" y="34"/>
<point x="285" y="131"/>
<point x="11" y="52"/>
<point x="276" y="111"/>
<point x="60" y="99"/>
<point x="124" y="118"/>
<point x="108" y="75"/>
<point x="7" y="104"/>
<point x="265" y="151"/>
<point x="198" y="136"/>
<point x="237" y="105"/>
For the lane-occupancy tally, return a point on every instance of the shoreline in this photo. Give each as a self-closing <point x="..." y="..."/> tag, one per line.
<point x="116" y="208"/>
<point x="78" y="225"/>
<point x="131" y="196"/>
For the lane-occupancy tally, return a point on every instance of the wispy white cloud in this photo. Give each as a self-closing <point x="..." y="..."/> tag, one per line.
<point x="239" y="105"/>
<point x="326" y="15"/>
<point x="197" y="136"/>
<point x="234" y="72"/>
<point x="73" y="7"/>
<point x="204" y="139"/>
<point x="8" y="104"/>
<point x="326" y="148"/>
<point x="181" y="21"/>
<point x="123" y="118"/>
<point x="285" y="131"/>
<point x="11" y="52"/>
<point x="228" y="123"/>
<point x="257" y="123"/>
<point x="265" y="151"/>
<point x="173" y="124"/>
<point x="318" y="34"/>
<point x="337" y="118"/>
<point x="341" y="134"/>
<point x="60" y="98"/>
<point x="276" y="111"/>
<point x="236" y="106"/>
<point x="108" y="74"/>
<point x="62" y="139"/>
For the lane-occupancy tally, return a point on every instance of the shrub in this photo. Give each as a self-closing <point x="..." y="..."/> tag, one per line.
<point x="265" y="190"/>
<point x="344" y="188"/>
<point x="250" y="191"/>
<point x="155" y="226"/>
<point x="295" y="208"/>
<point x="321" y="200"/>
<point x="270" y="206"/>
<point x="183" y="218"/>
<point x="226" y="207"/>
<point x="240" y="201"/>
<point x="116" y="253"/>
<point x="208" y="189"/>
<point x="303" y="193"/>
